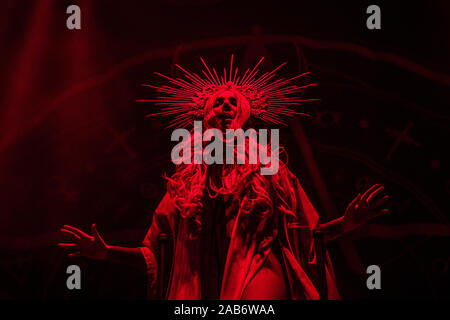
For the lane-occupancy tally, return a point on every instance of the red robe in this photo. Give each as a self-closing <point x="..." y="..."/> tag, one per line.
<point x="244" y="242"/>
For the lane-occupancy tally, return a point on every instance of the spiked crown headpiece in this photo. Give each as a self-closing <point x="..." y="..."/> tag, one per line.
<point x="269" y="101"/>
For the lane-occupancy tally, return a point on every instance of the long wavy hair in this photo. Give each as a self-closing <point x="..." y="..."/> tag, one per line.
<point x="192" y="185"/>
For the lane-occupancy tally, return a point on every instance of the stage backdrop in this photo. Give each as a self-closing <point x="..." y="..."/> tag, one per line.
<point x="76" y="147"/>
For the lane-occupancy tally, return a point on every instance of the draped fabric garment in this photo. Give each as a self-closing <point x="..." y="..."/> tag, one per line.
<point x="233" y="247"/>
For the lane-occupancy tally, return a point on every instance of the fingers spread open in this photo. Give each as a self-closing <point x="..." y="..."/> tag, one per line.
<point x="76" y="230"/>
<point x="95" y="232"/>
<point x="378" y="192"/>
<point x="369" y="191"/>
<point x="70" y="233"/>
<point x="68" y="245"/>
<point x="381" y="212"/>
<point x="379" y="203"/>
<point x="74" y="255"/>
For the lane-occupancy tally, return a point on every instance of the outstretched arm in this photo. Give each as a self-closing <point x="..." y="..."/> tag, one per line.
<point x="363" y="208"/>
<point x="94" y="247"/>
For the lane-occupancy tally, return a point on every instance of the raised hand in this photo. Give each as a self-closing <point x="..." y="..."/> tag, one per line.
<point x="82" y="244"/>
<point x="370" y="204"/>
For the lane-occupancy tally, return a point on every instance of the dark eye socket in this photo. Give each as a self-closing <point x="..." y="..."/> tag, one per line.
<point x="233" y="101"/>
<point x="218" y="101"/>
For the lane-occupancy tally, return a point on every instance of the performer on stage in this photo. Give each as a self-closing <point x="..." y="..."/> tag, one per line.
<point x="232" y="232"/>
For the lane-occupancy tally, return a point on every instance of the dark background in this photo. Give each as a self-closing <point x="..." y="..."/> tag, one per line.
<point x="76" y="148"/>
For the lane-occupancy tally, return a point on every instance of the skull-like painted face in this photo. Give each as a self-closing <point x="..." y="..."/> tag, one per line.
<point x="224" y="110"/>
<point x="227" y="109"/>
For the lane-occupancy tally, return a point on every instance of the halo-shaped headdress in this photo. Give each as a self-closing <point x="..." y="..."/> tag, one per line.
<point x="269" y="101"/>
